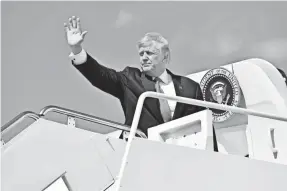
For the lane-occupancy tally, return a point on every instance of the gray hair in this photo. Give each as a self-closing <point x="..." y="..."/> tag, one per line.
<point x="157" y="38"/>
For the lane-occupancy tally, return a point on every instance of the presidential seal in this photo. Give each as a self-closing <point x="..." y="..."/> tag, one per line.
<point x="220" y="86"/>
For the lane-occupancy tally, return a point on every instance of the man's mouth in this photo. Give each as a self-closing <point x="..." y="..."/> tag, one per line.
<point x="145" y="64"/>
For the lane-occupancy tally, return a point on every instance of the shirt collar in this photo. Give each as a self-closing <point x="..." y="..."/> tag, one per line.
<point x="164" y="77"/>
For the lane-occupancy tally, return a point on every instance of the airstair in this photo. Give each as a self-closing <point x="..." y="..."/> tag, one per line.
<point x="40" y="153"/>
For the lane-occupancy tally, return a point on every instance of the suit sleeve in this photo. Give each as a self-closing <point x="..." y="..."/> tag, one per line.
<point x="104" y="78"/>
<point x="191" y="109"/>
<point x="199" y="96"/>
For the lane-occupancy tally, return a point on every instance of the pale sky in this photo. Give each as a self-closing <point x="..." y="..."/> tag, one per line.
<point x="37" y="72"/>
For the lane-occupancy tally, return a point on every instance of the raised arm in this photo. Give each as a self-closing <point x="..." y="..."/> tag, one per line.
<point x="106" y="79"/>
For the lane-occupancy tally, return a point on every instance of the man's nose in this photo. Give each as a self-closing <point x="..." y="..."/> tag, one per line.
<point x="145" y="57"/>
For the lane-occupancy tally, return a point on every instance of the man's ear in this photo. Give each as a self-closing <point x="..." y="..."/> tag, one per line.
<point x="166" y="57"/>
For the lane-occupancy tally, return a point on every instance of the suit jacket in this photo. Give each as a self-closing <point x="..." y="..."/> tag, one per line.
<point x="129" y="84"/>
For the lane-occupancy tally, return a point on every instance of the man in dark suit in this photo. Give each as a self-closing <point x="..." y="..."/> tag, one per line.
<point x="127" y="85"/>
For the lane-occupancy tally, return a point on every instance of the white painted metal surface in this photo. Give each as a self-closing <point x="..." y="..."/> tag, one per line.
<point x="193" y="131"/>
<point x="182" y="100"/>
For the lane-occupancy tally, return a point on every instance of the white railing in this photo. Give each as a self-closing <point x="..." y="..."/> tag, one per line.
<point x="181" y="100"/>
<point x="60" y="110"/>
<point x="87" y="117"/>
<point x="19" y="118"/>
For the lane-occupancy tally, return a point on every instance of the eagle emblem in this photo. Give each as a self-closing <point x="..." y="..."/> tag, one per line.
<point x="220" y="86"/>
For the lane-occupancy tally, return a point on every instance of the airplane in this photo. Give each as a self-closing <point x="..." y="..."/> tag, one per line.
<point x="247" y="105"/>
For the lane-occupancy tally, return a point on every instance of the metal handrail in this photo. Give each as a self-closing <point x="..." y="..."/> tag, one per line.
<point x="139" y="107"/>
<point x="16" y="120"/>
<point x="19" y="118"/>
<point x="87" y="117"/>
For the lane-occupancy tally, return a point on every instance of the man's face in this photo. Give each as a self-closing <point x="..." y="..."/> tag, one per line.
<point x="152" y="60"/>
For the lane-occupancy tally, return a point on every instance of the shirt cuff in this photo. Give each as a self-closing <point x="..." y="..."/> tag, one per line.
<point x="79" y="58"/>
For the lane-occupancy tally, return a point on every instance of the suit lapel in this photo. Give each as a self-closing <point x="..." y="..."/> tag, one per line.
<point x="151" y="104"/>
<point x="179" y="92"/>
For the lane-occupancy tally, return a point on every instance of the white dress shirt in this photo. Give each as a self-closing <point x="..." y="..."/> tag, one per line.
<point x="166" y="85"/>
<point x="79" y="58"/>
